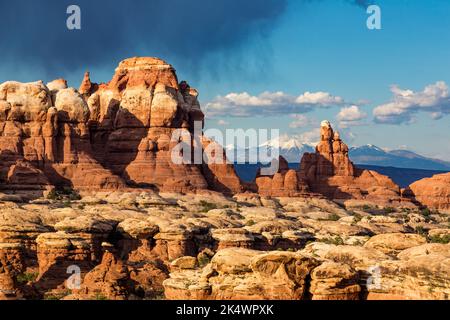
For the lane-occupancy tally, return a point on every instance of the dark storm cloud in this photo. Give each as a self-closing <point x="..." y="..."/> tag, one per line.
<point x="361" y="3"/>
<point x="35" y="33"/>
<point x="34" y="36"/>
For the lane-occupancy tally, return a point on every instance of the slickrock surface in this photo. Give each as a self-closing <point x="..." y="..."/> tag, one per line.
<point x="145" y="245"/>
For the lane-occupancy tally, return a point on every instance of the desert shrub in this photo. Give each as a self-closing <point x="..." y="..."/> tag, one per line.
<point x="420" y="230"/>
<point x="388" y="210"/>
<point x="26" y="277"/>
<point x="65" y="193"/>
<point x="203" y="260"/>
<point x="67" y="203"/>
<point x="427" y="214"/>
<point x="207" y="206"/>
<point x="100" y="296"/>
<point x="357" y="217"/>
<point x="57" y="296"/>
<point x="333" y="217"/>
<point x="445" y="239"/>
<point x="337" y="240"/>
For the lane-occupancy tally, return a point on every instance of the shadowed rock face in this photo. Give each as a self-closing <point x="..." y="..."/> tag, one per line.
<point x="106" y="136"/>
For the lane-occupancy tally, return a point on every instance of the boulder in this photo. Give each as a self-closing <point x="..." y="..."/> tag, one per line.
<point x="393" y="243"/>
<point x="334" y="281"/>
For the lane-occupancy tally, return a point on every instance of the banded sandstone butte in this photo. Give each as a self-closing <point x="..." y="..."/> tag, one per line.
<point x="103" y="136"/>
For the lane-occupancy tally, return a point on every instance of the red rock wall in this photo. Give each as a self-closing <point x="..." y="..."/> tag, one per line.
<point x="106" y="136"/>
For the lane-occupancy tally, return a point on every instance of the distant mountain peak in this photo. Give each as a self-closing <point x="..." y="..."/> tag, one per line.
<point x="285" y="142"/>
<point x="373" y="155"/>
<point x="368" y="146"/>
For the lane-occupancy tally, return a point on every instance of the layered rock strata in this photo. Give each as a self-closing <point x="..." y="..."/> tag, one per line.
<point x="104" y="136"/>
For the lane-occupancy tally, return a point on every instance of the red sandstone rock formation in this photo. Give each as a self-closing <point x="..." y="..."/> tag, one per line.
<point x="432" y="192"/>
<point x="285" y="183"/>
<point x="328" y="172"/>
<point x="103" y="136"/>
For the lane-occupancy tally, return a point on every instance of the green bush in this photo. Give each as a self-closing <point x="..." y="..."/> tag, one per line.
<point x="250" y="223"/>
<point x="445" y="239"/>
<point x="420" y="230"/>
<point x="65" y="193"/>
<point x="207" y="206"/>
<point x="388" y="210"/>
<point x="100" y="296"/>
<point x="203" y="260"/>
<point x="67" y="204"/>
<point x="425" y="212"/>
<point x="26" y="277"/>
<point x="337" y="240"/>
<point x="357" y="217"/>
<point x="57" y="296"/>
<point x="333" y="217"/>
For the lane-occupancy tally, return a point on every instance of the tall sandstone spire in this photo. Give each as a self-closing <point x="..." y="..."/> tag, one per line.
<point x="330" y="173"/>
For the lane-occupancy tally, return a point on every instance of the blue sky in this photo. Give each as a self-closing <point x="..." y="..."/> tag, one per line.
<point x="325" y="46"/>
<point x="287" y="46"/>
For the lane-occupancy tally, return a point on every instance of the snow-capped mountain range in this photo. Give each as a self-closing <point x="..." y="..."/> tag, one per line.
<point x="292" y="150"/>
<point x="373" y="155"/>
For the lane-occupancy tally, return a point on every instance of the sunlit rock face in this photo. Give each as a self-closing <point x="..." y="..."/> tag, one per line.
<point x="432" y="192"/>
<point x="103" y="136"/>
<point x="329" y="173"/>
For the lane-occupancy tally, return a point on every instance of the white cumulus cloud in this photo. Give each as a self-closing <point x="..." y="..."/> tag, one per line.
<point x="269" y="104"/>
<point x="350" y="116"/>
<point x="434" y="99"/>
<point x="323" y="99"/>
